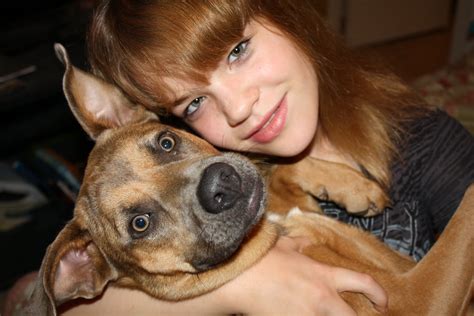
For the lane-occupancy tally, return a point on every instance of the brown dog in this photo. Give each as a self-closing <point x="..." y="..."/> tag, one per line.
<point x="164" y="212"/>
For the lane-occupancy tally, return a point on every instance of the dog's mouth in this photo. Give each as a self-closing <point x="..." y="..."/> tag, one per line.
<point x="256" y="201"/>
<point x="232" y="195"/>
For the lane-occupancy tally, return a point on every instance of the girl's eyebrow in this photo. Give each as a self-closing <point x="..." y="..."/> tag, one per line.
<point x="187" y="95"/>
<point x="180" y="100"/>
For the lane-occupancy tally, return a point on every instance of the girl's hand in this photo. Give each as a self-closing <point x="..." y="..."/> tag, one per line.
<point x="285" y="282"/>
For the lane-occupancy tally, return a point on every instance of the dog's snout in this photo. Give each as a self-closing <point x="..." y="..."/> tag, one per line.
<point x="219" y="188"/>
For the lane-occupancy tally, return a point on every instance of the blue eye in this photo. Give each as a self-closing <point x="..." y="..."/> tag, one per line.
<point x="140" y="223"/>
<point x="193" y="106"/>
<point x="238" y="51"/>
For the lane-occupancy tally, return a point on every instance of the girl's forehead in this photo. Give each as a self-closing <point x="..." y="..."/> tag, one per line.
<point x="180" y="89"/>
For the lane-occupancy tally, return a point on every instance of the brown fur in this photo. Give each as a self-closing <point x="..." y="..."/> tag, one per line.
<point x="313" y="178"/>
<point x="129" y="172"/>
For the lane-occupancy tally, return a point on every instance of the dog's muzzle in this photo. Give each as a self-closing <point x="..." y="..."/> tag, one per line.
<point x="231" y="195"/>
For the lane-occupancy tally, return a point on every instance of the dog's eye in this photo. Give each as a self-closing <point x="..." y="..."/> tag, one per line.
<point x="140" y="223"/>
<point x="167" y="143"/>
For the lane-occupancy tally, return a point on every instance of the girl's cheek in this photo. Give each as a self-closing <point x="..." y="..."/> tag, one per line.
<point x="209" y="131"/>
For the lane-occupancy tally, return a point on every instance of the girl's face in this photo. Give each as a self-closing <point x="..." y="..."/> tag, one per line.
<point x="263" y="97"/>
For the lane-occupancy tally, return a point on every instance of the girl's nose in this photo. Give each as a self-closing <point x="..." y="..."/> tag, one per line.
<point x="238" y="105"/>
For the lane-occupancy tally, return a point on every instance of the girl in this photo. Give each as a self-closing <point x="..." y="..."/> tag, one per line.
<point x="268" y="77"/>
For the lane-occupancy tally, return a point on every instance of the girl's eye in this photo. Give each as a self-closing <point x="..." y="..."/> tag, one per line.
<point x="141" y="223"/>
<point x="193" y="106"/>
<point x="238" y="51"/>
<point x="167" y="143"/>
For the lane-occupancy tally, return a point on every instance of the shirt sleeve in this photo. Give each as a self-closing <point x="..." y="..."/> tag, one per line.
<point x="448" y="169"/>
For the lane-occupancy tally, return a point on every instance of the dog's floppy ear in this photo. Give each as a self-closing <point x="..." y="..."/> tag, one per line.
<point x="96" y="104"/>
<point x="72" y="267"/>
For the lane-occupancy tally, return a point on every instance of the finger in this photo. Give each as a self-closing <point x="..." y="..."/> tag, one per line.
<point x="351" y="281"/>
<point x="337" y="307"/>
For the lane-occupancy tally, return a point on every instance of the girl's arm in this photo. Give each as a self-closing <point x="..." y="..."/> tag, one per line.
<point x="283" y="282"/>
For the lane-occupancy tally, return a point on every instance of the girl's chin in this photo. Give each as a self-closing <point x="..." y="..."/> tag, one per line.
<point x="280" y="151"/>
<point x="280" y="147"/>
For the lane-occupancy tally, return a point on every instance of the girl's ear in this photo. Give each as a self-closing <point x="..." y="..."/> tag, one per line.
<point x="96" y="104"/>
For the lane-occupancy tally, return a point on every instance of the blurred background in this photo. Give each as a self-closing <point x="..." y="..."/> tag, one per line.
<point x="43" y="150"/>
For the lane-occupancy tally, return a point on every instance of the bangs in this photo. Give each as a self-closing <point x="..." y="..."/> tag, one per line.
<point x="192" y="44"/>
<point x="147" y="42"/>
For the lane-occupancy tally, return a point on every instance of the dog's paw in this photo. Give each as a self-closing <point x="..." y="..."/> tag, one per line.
<point x="330" y="181"/>
<point x="363" y="198"/>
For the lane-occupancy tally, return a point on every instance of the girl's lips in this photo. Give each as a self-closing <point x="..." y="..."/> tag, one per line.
<point x="272" y="125"/>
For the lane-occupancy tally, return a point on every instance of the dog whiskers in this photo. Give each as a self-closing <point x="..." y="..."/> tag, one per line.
<point x="201" y="232"/>
<point x="209" y="247"/>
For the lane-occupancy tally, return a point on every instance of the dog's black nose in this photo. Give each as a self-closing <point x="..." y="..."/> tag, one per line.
<point x="219" y="188"/>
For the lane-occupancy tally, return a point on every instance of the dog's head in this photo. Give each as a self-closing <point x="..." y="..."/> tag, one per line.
<point x="159" y="208"/>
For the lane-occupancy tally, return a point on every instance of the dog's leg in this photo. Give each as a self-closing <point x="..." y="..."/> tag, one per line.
<point x="364" y="251"/>
<point x="338" y="244"/>
<point x="298" y="183"/>
<point x="440" y="284"/>
<point x="286" y="193"/>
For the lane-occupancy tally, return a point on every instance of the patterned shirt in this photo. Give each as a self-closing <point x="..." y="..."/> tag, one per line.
<point x="435" y="168"/>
